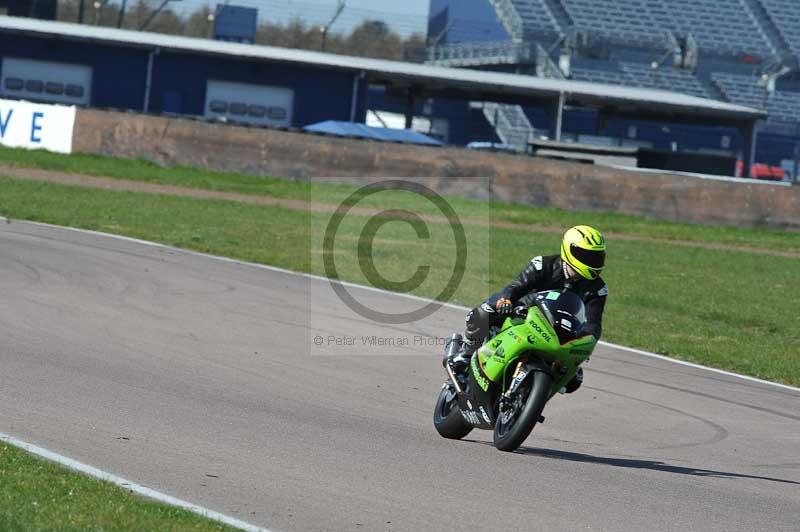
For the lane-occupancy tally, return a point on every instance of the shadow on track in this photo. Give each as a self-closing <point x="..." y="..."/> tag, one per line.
<point x="640" y="464"/>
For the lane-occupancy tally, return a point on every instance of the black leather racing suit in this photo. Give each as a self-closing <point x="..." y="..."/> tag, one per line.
<point x="542" y="273"/>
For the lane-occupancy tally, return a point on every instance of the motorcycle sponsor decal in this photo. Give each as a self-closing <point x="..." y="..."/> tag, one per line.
<point x="541" y="331"/>
<point x="518" y="379"/>
<point x="515" y="337"/>
<point x="470" y="417"/>
<point x="499" y="354"/>
<point x="485" y="416"/>
<point x="495" y="343"/>
<point x="553" y="295"/>
<point x="531" y="339"/>
<point x="482" y="381"/>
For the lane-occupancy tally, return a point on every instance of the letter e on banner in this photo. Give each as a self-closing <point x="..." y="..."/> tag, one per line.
<point x="35" y="127"/>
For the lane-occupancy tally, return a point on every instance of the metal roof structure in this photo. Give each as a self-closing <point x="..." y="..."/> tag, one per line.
<point x="427" y="79"/>
<point x="361" y="131"/>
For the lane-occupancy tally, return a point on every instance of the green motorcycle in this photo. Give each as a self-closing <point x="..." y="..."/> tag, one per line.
<point x="510" y="378"/>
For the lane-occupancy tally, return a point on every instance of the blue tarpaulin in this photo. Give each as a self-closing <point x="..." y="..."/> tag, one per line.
<point x="351" y="129"/>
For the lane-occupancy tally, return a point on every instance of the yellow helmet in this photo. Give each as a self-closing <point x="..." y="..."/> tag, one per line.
<point x="584" y="249"/>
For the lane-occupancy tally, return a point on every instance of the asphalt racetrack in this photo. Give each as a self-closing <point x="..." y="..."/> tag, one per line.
<point x="201" y="378"/>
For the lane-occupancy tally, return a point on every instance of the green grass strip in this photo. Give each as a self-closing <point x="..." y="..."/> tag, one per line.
<point x="37" y="495"/>
<point x="501" y="212"/>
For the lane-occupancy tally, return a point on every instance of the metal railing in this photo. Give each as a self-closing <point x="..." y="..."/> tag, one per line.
<point x="510" y="123"/>
<point x="480" y="53"/>
<point x="510" y="18"/>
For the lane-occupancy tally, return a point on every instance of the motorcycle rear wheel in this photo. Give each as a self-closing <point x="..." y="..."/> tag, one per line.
<point x="447" y="416"/>
<point x="512" y="428"/>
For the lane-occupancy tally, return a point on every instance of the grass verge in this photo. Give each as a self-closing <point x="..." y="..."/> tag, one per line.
<point x="37" y="495"/>
<point x="501" y="212"/>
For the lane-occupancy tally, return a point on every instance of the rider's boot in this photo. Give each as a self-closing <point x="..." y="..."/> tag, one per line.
<point x="574" y="384"/>
<point x="459" y="359"/>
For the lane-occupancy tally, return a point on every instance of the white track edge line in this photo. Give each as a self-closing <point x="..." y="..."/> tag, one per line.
<point x="409" y="296"/>
<point x="128" y="485"/>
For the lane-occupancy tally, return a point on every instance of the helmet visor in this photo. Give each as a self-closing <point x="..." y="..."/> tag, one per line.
<point x="591" y="258"/>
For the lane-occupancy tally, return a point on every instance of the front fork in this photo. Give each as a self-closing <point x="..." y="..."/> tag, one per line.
<point x="520" y="374"/>
<point x="505" y="398"/>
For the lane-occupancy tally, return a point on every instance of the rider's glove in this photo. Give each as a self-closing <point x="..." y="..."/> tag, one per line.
<point x="504" y="306"/>
<point x="520" y="311"/>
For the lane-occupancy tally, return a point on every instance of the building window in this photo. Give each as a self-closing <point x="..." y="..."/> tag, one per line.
<point x="14" y="84"/>
<point x="74" y="91"/>
<point x="218" y="106"/>
<point x="257" y="111"/>
<point x="276" y="113"/>
<point x="238" y="109"/>
<point x="34" y="85"/>
<point x="52" y="87"/>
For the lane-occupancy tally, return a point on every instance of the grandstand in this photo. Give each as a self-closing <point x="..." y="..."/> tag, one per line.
<point x="739" y="51"/>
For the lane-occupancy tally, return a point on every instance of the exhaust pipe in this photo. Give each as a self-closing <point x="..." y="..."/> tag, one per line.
<point x="451" y="347"/>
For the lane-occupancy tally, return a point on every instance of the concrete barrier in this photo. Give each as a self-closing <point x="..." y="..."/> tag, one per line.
<point x="532" y="180"/>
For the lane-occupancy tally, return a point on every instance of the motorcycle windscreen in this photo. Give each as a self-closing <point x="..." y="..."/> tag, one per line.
<point x="566" y="313"/>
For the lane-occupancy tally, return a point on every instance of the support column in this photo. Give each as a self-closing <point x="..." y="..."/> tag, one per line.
<point x="148" y="80"/>
<point x="354" y="100"/>
<point x="410" y="104"/>
<point x="557" y="118"/>
<point x="749" y="133"/>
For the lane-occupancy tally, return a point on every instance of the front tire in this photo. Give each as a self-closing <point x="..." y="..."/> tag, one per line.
<point x="447" y="416"/>
<point x="515" y="425"/>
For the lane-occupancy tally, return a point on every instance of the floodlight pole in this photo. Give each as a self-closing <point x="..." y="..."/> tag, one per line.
<point x="121" y="16"/>
<point x="324" y="29"/>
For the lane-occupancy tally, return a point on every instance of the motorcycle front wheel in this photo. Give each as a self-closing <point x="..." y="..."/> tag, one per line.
<point x="447" y="416"/>
<point x="515" y="423"/>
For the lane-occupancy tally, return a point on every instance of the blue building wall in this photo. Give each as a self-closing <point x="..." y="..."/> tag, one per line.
<point x="318" y="94"/>
<point x="464" y="21"/>
<point x="119" y="74"/>
<point x="179" y="80"/>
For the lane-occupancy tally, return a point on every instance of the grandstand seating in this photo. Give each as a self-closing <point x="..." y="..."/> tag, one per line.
<point x="536" y="16"/>
<point x="639" y="75"/>
<point x="666" y="78"/>
<point x="597" y="72"/>
<point x="785" y="14"/>
<point x="783" y="105"/>
<point x="722" y="28"/>
<point x="720" y="25"/>
<point x="740" y="89"/>
<point x="737" y="41"/>
<point x="619" y="20"/>
<point x="728" y="26"/>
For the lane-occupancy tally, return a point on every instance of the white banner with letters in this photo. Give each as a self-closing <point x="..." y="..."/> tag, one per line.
<point x="36" y="125"/>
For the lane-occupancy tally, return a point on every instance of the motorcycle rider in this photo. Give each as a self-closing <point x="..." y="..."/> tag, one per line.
<point x="577" y="268"/>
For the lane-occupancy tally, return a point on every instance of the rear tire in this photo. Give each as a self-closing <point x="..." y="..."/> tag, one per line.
<point x="510" y="433"/>
<point x="447" y="416"/>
